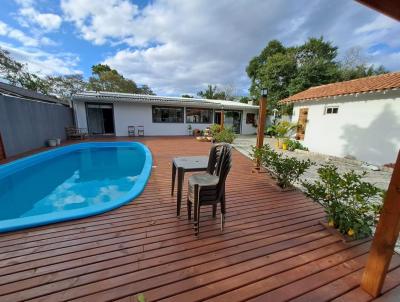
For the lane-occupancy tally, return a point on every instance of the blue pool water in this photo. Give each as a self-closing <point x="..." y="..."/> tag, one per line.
<point x="71" y="182"/>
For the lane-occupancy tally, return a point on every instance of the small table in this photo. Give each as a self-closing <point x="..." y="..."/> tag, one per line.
<point x="185" y="164"/>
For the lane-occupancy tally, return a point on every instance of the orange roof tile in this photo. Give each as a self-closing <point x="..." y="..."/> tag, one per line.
<point x="367" y="84"/>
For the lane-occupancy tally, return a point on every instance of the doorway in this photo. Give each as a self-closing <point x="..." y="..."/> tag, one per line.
<point x="302" y="123"/>
<point x="217" y="117"/>
<point x="100" y="119"/>
<point x="233" y="119"/>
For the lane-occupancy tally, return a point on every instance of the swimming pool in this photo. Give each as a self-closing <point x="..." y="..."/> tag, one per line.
<point x="71" y="182"/>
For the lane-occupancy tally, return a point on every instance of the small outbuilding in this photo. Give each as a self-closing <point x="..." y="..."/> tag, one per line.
<point x="358" y="118"/>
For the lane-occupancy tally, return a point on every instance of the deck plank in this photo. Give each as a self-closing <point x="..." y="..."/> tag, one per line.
<point x="273" y="247"/>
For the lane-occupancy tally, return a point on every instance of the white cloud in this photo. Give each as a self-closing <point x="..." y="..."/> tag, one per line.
<point x="100" y="20"/>
<point x="46" y="21"/>
<point x="179" y="46"/>
<point x="44" y="63"/>
<point x="18" y="35"/>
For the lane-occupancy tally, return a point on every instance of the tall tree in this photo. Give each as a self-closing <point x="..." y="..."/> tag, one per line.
<point x="212" y="92"/>
<point x="289" y="70"/>
<point x="65" y="86"/>
<point x="354" y="65"/>
<point x="17" y="74"/>
<point x="104" y="78"/>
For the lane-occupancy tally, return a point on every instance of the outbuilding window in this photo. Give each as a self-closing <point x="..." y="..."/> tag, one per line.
<point x="331" y="110"/>
<point x="167" y="114"/>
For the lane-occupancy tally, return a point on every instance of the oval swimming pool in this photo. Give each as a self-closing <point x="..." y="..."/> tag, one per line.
<point x="71" y="182"/>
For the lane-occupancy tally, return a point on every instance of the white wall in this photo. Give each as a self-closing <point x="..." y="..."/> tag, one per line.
<point x="126" y="114"/>
<point x="366" y="127"/>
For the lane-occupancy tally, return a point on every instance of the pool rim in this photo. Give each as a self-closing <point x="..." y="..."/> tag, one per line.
<point x="14" y="224"/>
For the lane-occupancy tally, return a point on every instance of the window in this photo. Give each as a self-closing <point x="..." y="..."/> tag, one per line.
<point x="331" y="110"/>
<point x="251" y="118"/>
<point x="197" y="115"/>
<point x="167" y="114"/>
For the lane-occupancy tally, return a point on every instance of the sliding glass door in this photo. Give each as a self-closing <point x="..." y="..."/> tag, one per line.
<point x="233" y="119"/>
<point x="100" y="119"/>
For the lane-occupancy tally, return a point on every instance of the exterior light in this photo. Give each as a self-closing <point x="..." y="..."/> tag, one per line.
<point x="264" y="92"/>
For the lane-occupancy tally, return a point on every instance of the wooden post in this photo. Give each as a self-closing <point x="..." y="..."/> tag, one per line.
<point x="262" y="113"/>
<point x="385" y="237"/>
<point x="222" y="119"/>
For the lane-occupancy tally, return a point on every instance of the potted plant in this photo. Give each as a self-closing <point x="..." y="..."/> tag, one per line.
<point x="283" y="129"/>
<point x="285" y="144"/>
<point x="351" y="205"/>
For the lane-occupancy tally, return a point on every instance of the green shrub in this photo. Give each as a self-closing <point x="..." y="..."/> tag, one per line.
<point x="294" y="144"/>
<point x="271" y="130"/>
<point x="287" y="170"/>
<point x="351" y="204"/>
<point x="225" y="136"/>
<point x="215" y="128"/>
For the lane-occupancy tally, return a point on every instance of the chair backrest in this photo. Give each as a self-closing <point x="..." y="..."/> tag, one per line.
<point x="219" y="164"/>
<point x="213" y="158"/>
<point x="223" y="167"/>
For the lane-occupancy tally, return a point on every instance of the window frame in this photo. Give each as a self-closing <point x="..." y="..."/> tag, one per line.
<point x="201" y="109"/>
<point x="250" y="121"/>
<point x="331" y="110"/>
<point x="167" y="107"/>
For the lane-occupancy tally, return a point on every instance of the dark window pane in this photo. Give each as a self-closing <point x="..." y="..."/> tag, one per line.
<point x="167" y="114"/>
<point x="335" y="110"/>
<point x="250" y="118"/>
<point x="329" y="110"/>
<point x="198" y="115"/>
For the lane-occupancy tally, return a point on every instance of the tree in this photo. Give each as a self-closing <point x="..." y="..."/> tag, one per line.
<point x="244" y="99"/>
<point x="212" y="92"/>
<point x="354" y="65"/>
<point x="104" y="78"/>
<point x="288" y="70"/>
<point x="187" y="96"/>
<point x="65" y="86"/>
<point x="17" y="74"/>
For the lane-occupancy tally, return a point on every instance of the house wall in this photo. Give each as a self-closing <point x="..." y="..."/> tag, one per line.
<point x="366" y="126"/>
<point x="127" y="114"/>
<point x="27" y="124"/>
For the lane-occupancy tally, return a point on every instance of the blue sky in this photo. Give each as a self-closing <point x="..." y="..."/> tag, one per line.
<point x="180" y="46"/>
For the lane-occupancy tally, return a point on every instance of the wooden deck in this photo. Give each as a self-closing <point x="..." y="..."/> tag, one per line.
<point x="273" y="248"/>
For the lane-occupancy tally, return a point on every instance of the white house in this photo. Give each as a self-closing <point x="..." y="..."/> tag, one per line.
<point x="108" y="113"/>
<point x="358" y="118"/>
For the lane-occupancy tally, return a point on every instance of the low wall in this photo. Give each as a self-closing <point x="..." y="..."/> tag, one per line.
<point x="27" y="124"/>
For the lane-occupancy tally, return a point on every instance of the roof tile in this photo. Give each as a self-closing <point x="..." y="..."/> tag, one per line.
<point x="367" y="84"/>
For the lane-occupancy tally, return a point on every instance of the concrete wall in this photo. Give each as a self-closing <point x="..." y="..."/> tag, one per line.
<point x="126" y="114"/>
<point x="366" y="127"/>
<point x="27" y="124"/>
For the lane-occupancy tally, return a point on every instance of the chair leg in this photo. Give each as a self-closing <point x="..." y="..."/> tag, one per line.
<point x="223" y="209"/>
<point x="197" y="230"/>
<point x="195" y="209"/>
<point x="189" y="210"/>
<point x="214" y="210"/>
